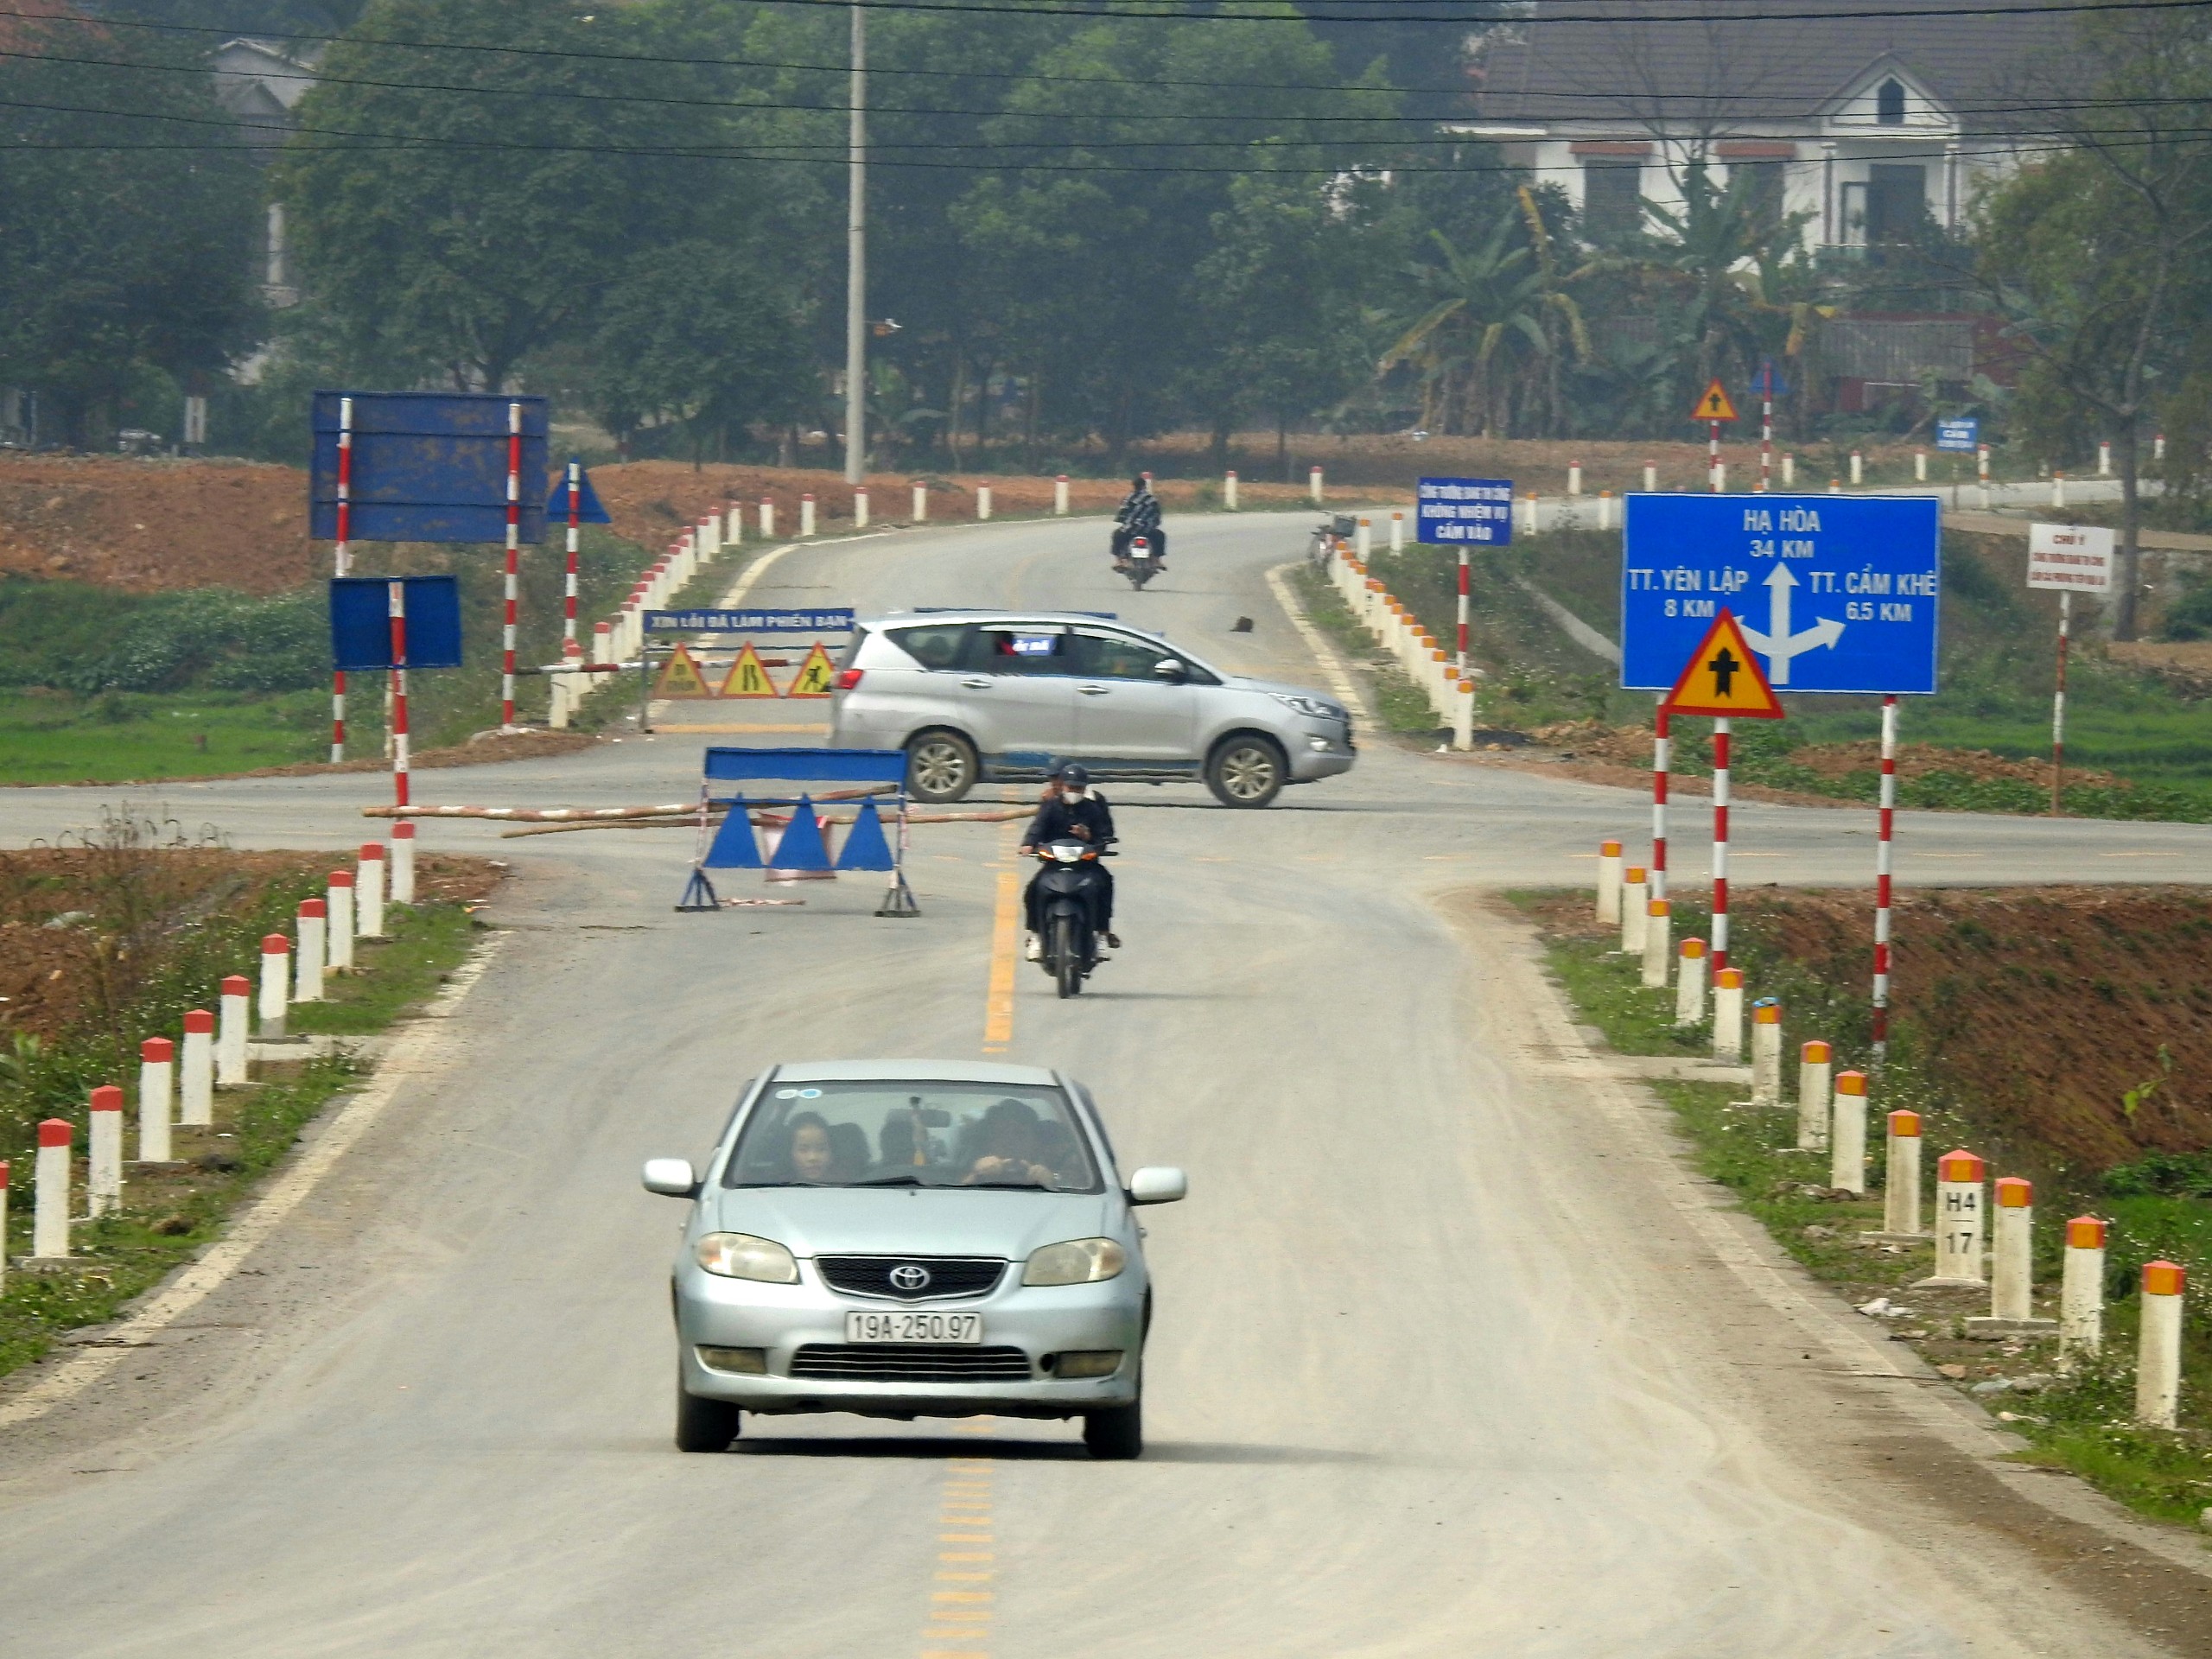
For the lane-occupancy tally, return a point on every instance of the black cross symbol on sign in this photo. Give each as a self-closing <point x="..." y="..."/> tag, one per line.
<point x="1724" y="667"/>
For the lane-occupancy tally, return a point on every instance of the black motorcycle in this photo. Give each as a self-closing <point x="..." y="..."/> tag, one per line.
<point x="1069" y="944"/>
<point x="1137" y="557"/>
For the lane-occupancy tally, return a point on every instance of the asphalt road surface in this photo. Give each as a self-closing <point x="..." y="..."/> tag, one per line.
<point x="1450" y="1358"/>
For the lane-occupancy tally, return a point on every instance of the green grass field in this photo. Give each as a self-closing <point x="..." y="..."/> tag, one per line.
<point x="119" y="736"/>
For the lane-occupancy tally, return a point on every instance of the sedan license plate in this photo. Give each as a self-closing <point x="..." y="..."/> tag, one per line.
<point x="907" y="1326"/>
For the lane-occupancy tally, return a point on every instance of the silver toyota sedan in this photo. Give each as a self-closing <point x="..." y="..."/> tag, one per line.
<point x="912" y="1238"/>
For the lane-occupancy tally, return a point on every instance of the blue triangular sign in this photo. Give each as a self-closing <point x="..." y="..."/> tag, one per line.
<point x="866" y="847"/>
<point x="557" y="505"/>
<point x="802" y="847"/>
<point x="734" y="848"/>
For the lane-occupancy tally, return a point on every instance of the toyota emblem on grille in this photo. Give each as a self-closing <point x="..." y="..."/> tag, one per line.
<point x="910" y="1276"/>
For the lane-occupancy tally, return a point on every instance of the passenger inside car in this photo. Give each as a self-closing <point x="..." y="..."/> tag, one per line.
<point x="1010" y="1150"/>
<point x="812" y="1157"/>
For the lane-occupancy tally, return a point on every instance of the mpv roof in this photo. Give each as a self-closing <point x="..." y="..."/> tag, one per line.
<point x="911" y="1071"/>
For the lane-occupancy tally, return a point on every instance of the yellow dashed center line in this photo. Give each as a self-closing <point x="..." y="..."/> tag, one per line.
<point x="964" y="1615"/>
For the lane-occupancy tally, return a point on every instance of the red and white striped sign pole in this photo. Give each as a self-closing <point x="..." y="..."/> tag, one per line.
<point x="1884" y="820"/>
<point x="575" y="519"/>
<point x="514" y="567"/>
<point x="2058" y="703"/>
<point x="1720" y="737"/>
<point x="1462" y="613"/>
<point x="1713" y="457"/>
<point x="396" y="592"/>
<point x="341" y="559"/>
<point x="1656" y="876"/>
<point x="1766" y="430"/>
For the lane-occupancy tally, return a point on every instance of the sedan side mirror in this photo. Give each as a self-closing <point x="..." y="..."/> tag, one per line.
<point x="1159" y="1184"/>
<point x="1171" y="670"/>
<point x="673" y="1177"/>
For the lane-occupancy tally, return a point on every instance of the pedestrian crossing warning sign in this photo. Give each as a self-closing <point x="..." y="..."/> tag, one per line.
<point x="1722" y="678"/>
<point x="815" y="674"/>
<point x="748" y="676"/>
<point x="1713" y="405"/>
<point x="680" y="678"/>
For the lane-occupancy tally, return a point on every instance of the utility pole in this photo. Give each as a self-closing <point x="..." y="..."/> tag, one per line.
<point x="856" y="264"/>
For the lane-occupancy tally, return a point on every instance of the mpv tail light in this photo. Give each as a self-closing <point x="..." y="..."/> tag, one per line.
<point x="848" y="678"/>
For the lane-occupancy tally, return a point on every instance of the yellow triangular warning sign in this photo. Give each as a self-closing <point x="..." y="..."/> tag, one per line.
<point x="681" y="677"/>
<point x="1723" y="678"/>
<point x="815" y="674"/>
<point x="748" y="676"/>
<point x="1714" y="405"/>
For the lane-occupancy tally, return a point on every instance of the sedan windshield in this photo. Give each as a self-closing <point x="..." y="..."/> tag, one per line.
<point x="882" y="1133"/>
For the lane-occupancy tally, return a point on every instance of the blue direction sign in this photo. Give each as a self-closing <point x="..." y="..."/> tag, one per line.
<point x="1458" y="510"/>
<point x="1836" y="592"/>
<point x="1964" y="433"/>
<point x="822" y="621"/>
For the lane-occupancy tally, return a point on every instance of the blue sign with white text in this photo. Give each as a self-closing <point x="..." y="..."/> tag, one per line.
<point x="1963" y="434"/>
<point x="1835" y="593"/>
<point x="1456" y="510"/>
<point x="822" y="621"/>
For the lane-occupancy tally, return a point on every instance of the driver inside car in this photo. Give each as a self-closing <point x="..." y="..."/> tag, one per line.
<point x="1075" y="812"/>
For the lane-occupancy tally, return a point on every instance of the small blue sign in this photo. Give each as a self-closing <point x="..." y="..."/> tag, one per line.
<point x="1766" y="385"/>
<point x="823" y="621"/>
<point x="1456" y="510"/>
<point x="1963" y="434"/>
<point x="360" y="621"/>
<point x="428" y="466"/>
<point x="1835" y="593"/>
<point x="589" y="509"/>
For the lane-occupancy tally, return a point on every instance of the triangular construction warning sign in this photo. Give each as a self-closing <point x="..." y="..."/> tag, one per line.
<point x="681" y="677"/>
<point x="815" y="674"/>
<point x="1723" y="679"/>
<point x="748" y="676"/>
<point x="1714" y="405"/>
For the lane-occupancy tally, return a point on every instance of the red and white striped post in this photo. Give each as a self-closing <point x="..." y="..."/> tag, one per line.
<point x="313" y="925"/>
<point x="403" y="863"/>
<point x="1712" y="458"/>
<point x="1885" y="825"/>
<point x="195" y="1085"/>
<point x="276" y="982"/>
<point x="341" y="561"/>
<point x="575" y="523"/>
<point x="1463" y="614"/>
<point x="104" y="1152"/>
<point x="231" y="1036"/>
<point x="2082" y="1286"/>
<point x="1720" y="759"/>
<point x="2157" y="1360"/>
<point x="2058" y="704"/>
<point x="368" y="892"/>
<point x="1958" y="1221"/>
<point x="339" y="894"/>
<point x="156" y="1098"/>
<point x="395" y="607"/>
<point x="1815" y="1064"/>
<point x="1766" y="429"/>
<point x="1661" y="745"/>
<point x="513" y="569"/>
<point x="50" y="1191"/>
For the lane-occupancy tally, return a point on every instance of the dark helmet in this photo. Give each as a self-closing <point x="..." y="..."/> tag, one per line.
<point x="1076" y="777"/>
<point x="1140" y="482"/>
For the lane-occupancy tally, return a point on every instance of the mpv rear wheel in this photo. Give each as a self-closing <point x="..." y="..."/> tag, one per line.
<point x="705" y="1425"/>
<point x="1246" y="771"/>
<point x="1115" y="1434"/>
<point x="941" y="766"/>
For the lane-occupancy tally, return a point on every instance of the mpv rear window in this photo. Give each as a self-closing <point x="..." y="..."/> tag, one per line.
<point x="933" y="644"/>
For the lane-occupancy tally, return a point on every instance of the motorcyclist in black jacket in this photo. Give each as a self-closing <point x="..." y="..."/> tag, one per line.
<point x="1071" y="810"/>
<point x="1139" y="515"/>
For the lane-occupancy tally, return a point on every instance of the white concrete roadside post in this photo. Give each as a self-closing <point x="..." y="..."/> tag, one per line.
<point x="1650" y="476"/>
<point x="313" y="925"/>
<point x="1788" y="472"/>
<point x="807" y="515"/>
<point x="195" y="1076"/>
<point x="1609" y="883"/>
<point x="1816" y="1064"/>
<point x="1636" y="896"/>
<point x="50" y="1191"/>
<point x="2011" y="1300"/>
<point x="1901" y="1185"/>
<point x="982" y="501"/>
<point x="1920" y="466"/>
<point x="921" y="503"/>
<point x="1847" y="1135"/>
<point x="1313" y="483"/>
<point x="368" y="890"/>
<point x="1858" y="468"/>
<point x="1605" y="509"/>
<point x="2157" y="1360"/>
<point x="2104" y="459"/>
<point x="1061" y="496"/>
<point x="860" y="506"/>
<point x="1658" y="943"/>
<point x="403" y="863"/>
<point x="276" y="982"/>
<point x="733" y="525"/>
<point x="1958" y="1221"/>
<point x="231" y="1069"/>
<point x="104" y="1152"/>
<point x="768" y="517"/>
<point x="156" y="1103"/>
<point x="1728" y="1016"/>
<point x="1575" y="478"/>
<point x="1363" y="541"/>
<point x="1398" y="530"/>
<point x="1766" y="1052"/>
<point x="2082" y="1286"/>
<point x="339" y="895"/>
<point x="1981" y="471"/>
<point x="1689" y="983"/>
<point x="1229" y="491"/>
<point x="2058" y="489"/>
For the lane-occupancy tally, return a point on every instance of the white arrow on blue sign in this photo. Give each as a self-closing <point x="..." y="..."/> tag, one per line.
<point x="1837" y="593"/>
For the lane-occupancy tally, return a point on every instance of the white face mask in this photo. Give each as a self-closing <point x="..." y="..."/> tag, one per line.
<point x="1074" y="794"/>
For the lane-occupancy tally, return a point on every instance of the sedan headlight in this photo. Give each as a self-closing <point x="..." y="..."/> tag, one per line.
<point x="1312" y="707"/>
<point x="741" y="1256"/>
<point x="1079" y="1262"/>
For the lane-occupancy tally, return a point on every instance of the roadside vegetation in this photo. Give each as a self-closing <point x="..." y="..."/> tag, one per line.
<point x="2109" y="1124"/>
<point x="107" y="941"/>
<point x="1402" y="708"/>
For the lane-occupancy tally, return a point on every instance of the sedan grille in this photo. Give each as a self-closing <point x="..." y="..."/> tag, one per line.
<point x="911" y="1278"/>
<point x="911" y="1365"/>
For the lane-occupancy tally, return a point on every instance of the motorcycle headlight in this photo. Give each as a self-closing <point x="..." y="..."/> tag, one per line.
<point x="1079" y="1262"/>
<point x="1312" y="707"/>
<point x="741" y="1256"/>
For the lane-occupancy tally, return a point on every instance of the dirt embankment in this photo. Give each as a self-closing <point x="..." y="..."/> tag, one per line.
<point x="150" y="524"/>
